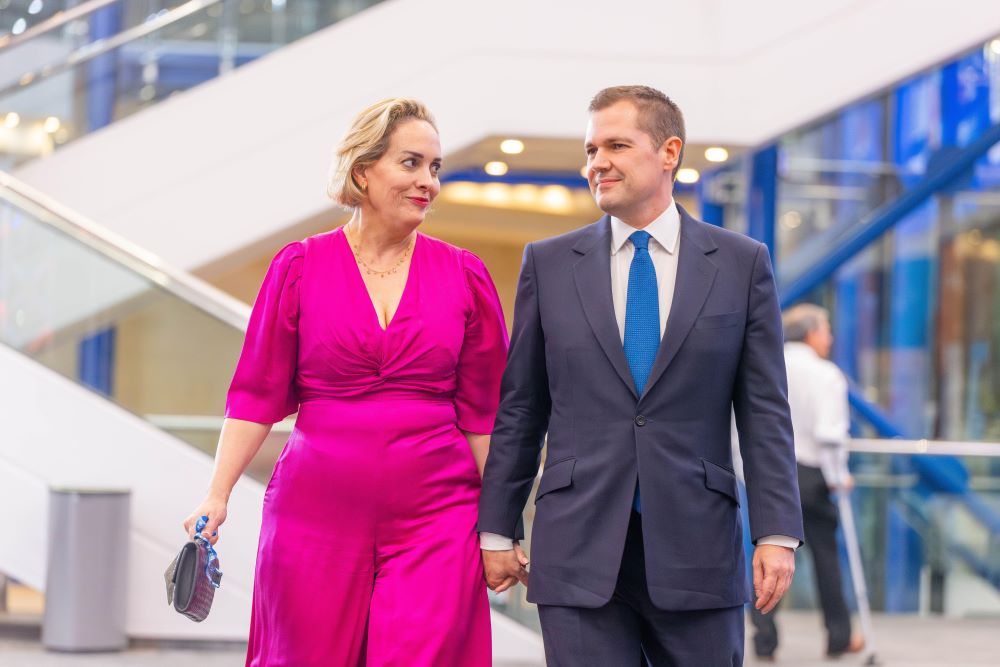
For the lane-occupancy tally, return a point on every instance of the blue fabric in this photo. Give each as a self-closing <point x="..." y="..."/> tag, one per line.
<point x="642" y="318"/>
<point x="212" y="570"/>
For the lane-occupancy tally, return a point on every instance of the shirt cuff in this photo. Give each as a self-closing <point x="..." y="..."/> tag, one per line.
<point x="779" y="540"/>
<point x="494" y="542"/>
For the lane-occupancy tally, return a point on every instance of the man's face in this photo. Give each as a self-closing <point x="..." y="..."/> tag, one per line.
<point x="821" y="339"/>
<point x="624" y="168"/>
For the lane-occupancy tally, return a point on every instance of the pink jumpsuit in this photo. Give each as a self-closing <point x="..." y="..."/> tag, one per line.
<point x="368" y="550"/>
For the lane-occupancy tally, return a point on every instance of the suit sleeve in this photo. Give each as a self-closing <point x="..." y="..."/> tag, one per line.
<point x="760" y="403"/>
<point x="523" y="416"/>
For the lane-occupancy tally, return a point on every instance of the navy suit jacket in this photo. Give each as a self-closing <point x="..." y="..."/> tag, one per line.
<point x="567" y="375"/>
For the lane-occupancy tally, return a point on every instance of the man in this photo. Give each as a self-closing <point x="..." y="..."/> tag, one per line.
<point x="632" y="339"/>
<point x="817" y="395"/>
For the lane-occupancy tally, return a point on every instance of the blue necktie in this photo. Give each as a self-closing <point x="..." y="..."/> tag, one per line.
<point x="642" y="318"/>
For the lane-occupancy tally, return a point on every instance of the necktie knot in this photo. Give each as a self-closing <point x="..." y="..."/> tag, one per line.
<point x="640" y="240"/>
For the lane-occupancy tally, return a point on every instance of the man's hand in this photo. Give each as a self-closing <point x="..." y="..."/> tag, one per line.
<point x="504" y="569"/>
<point x="773" y="567"/>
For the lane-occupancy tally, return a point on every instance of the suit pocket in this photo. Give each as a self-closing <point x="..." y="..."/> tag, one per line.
<point x="719" y="321"/>
<point x="720" y="480"/>
<point x="557" y="476"/>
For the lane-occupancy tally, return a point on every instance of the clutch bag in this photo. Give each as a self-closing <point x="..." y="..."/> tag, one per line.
<point x="193" y="576"/>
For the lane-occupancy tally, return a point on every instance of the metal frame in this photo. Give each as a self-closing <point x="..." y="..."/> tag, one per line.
<point x="100" y="47"/>
<point x="924" y="447"/>
<point x="55" y="21"/>
<point x="872" y="226"/>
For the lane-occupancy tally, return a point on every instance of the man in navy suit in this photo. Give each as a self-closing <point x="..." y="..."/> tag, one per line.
<point x="633" y="339"/>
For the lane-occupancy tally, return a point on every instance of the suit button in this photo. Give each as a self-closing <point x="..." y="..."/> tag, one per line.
<point x="640" y="421"/>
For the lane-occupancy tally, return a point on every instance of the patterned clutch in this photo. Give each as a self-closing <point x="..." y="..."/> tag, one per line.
<point x="193" y="577"/>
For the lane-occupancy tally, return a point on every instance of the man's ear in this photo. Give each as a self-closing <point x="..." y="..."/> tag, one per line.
<point x="671" y="152"/>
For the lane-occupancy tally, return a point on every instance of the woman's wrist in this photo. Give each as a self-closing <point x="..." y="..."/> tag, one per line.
<point x="220" y="495"/>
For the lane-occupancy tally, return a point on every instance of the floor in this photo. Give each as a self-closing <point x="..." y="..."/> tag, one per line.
<point x="904" y="641"/>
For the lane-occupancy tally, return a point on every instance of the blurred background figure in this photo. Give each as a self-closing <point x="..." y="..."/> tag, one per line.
<point x="817" y="396"/>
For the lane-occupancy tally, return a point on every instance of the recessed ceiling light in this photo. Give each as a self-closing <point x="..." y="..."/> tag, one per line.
<point x="52" y="124"/>
<point x="19" y="26"/>
<point x="11" y="120"/>
<point x="995" y="47"/>
<point x="495" y="168"/>
<point x="512" y="146"/>
<point x="35" y="7"/>
<point x="716" y="154"/>
<point x="791" y="220"/>
<point x="688" y="175"/>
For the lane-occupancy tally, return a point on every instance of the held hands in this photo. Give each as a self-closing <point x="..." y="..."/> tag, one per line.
<point x="215" y="510"/>
<point x="504" y="569"/>
<point x="773" y="567"/>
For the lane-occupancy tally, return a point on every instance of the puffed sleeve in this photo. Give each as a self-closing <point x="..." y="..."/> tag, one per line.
<point x="263" y="388"/>
<point x="484" y="351"/>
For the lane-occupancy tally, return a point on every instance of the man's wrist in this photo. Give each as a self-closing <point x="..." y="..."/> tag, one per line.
<point x="494" y="542"/>
<point x="780" y="541"/>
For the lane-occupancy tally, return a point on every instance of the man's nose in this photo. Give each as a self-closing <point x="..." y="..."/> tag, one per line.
<point x="599" y="162"/>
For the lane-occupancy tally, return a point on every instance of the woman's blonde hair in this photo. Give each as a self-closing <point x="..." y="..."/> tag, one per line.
<point x="366" y="141"/>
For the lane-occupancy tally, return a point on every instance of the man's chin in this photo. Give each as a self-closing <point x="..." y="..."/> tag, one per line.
<point x="606" y="204"/>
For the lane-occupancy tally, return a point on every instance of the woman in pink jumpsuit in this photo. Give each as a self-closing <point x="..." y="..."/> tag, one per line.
<point x="368" y="551"/>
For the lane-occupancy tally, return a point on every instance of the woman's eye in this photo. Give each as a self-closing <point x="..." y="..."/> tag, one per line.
<point x="410" y="162"/>
<point x="435" y="168"/>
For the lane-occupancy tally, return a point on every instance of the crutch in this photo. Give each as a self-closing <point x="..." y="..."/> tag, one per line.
<point x="857" y="572"/>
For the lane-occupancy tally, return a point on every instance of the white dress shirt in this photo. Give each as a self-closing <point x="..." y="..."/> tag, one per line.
<point x="817" y="396"/>
<point x="664" y="249"/>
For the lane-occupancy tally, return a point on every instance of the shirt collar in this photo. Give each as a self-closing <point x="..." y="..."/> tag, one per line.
<point x="797" y="347"/>
<point x="664" y="230"/>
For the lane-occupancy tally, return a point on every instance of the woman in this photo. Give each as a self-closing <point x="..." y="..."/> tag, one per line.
<point x="390" y="345"/>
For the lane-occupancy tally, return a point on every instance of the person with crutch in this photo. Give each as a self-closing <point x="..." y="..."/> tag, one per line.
<point x="817" y="396"/>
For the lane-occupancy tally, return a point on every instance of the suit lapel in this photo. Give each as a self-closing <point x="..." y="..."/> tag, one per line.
<point x="695" y="276"/>
<point x="592" y="274"/>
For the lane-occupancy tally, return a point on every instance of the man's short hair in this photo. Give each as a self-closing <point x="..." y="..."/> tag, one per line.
<point x="659" y="116"/>
<point x="798" y="321"/>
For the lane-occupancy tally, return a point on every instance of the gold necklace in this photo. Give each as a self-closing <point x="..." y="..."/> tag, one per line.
<point x="381" y="273"/>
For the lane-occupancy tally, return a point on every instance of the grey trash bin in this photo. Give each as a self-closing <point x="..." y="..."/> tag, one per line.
<point x="86" y="580"/>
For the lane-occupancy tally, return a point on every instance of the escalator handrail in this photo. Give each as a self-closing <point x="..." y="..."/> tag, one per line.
<point x="102" y="46"/>
<point x="54" y="22"/>
<point x="185" y="286"/>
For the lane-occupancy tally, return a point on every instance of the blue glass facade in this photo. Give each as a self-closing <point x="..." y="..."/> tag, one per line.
<point x="914" y="308"/>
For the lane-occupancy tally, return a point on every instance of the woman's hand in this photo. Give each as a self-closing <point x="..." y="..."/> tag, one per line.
<point x="215" y="510"/>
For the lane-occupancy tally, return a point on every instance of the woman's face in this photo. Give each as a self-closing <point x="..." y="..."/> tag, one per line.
<point x="402" y="184"/>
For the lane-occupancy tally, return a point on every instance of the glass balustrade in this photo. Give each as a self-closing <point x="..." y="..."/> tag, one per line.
<point x="104" y="60"/>
<point x="159" y="344"/>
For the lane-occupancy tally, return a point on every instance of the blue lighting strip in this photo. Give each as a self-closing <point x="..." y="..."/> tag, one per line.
<point x="872" y="226"/>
